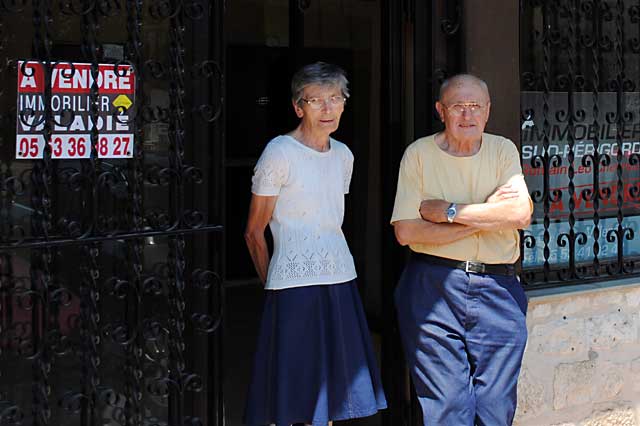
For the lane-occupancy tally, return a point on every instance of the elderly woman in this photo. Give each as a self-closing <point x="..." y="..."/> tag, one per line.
<point x="314" y="362"/>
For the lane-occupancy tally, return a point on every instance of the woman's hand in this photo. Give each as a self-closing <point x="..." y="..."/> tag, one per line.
<point x="260" y="212"/>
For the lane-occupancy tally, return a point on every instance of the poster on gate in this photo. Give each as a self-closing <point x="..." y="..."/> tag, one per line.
<point x="71" y="119"/>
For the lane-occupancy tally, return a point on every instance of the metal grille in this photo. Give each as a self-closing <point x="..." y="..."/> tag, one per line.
<point x="580" y="138"/>
<point x="109" y="313"/>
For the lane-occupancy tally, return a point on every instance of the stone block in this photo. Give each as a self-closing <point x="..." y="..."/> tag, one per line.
<point x="633" y="298"/>
<point x="586" y="382"/>
<point x="574" y="305"/>
<point x="635" y="375"/>
<point x="573" y="384"/>
<point x="609" y="381"/>
<point x="539" y="311"/>
<point x="559" y="337"/>
<point x="531" y="395"/>
<point x="609" y="330"/>
<point x="613" y="417"/>
<point x="608" y="298"/>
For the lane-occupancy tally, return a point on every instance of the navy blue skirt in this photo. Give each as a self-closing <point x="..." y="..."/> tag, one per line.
<point x="314" y="362"/>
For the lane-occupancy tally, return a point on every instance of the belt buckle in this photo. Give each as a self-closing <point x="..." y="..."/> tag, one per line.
<point x="474" y="267"/>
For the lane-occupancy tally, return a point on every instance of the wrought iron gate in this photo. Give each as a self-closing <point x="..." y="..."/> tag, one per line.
<point x="580" y="138"/>
<point x="110" y="291"/>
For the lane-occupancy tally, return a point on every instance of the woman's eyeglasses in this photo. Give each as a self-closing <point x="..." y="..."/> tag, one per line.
<point x="318" y="103"/>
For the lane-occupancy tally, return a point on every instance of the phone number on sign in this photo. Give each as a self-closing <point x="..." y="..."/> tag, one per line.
<point x="74" y="146"/>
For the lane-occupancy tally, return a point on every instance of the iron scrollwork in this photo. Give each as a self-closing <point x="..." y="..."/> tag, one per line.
<point x="579" y="65"/>
<point x="100" y="334"/>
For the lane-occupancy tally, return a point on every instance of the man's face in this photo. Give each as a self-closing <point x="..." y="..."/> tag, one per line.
<point x="464" y="110"/>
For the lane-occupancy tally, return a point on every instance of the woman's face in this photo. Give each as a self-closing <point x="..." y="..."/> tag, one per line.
<point x="324" y="117"/>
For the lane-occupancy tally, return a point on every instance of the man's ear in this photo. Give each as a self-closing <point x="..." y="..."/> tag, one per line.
<point x="440" y="109"/>
<point x="296" y="107"/>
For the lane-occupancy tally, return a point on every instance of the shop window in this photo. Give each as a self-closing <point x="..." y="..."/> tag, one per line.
<point x="580" y="139"/>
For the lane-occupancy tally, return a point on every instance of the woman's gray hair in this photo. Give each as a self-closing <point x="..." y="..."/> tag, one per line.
<point x="319" y="73"/>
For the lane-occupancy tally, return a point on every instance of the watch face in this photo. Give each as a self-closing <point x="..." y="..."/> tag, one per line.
<point x="451" y="213"/>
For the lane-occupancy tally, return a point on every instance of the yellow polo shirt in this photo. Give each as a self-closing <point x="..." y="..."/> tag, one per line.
<point x="427" y="172"/>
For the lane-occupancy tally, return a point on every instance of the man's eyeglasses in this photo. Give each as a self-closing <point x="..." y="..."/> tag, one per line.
<point x="459" y="109"/>
<point x="318" y="103"/>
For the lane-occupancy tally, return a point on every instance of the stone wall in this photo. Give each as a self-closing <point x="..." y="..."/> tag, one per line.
<point x="582" y="362"/>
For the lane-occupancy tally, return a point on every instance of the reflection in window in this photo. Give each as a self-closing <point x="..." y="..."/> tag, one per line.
<point x="580" y="137"/>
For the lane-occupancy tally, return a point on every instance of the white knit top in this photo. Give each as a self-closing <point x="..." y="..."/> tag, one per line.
<point x="309" y="246"/>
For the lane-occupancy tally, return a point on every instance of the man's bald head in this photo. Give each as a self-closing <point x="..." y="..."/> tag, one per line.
<point x="460" y="80"/>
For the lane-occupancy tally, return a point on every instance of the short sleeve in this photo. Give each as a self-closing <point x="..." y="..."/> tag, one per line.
<point x="509" y="162"/>
<point x="409" y="191"/>
<point x="347" y="159"/>
<point x="271" y="171"/>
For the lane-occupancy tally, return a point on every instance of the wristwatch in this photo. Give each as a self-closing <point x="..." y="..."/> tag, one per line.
<point x="451" y="212"/>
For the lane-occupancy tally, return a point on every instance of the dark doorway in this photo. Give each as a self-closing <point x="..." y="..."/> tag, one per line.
<point x="266" y="41"/>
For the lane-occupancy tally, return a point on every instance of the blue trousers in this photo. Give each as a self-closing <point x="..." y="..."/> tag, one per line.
<point x="464" y="336"/>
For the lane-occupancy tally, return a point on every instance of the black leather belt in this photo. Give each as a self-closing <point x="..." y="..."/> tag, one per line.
<point x="468" y="265"/>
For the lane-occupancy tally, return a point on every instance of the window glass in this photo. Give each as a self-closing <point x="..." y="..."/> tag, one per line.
<point x="580" y="131"/>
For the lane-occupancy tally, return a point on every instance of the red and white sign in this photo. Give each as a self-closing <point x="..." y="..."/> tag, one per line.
<point x="71" y="119"/>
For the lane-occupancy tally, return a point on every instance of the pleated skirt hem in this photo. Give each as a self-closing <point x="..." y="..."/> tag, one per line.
<point x="314" y="361"/>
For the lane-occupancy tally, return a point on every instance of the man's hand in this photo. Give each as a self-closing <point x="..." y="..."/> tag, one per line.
<point x="503" y="193"/>
<point x="434" y="211"/>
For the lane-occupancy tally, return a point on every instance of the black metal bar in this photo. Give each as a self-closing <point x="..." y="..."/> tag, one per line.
<point x="30" y="244"/>
<point x="90" y="284"/>
<point x="215" y="373"/>
<point x="545" y="159"/>
<point x="618" y="235"/>
<point x="176" y="261"/>
<point x="572" y="116"/>
<point x="41" y="226"/>
<point x="134" y="386"/>
<point x="594" y="160"/>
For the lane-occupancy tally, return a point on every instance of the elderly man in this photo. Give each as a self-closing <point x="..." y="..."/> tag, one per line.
<point x="460" y="201"/>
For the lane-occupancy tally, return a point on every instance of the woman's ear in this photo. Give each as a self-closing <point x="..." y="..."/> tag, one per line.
<point x="296" y="107"/>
